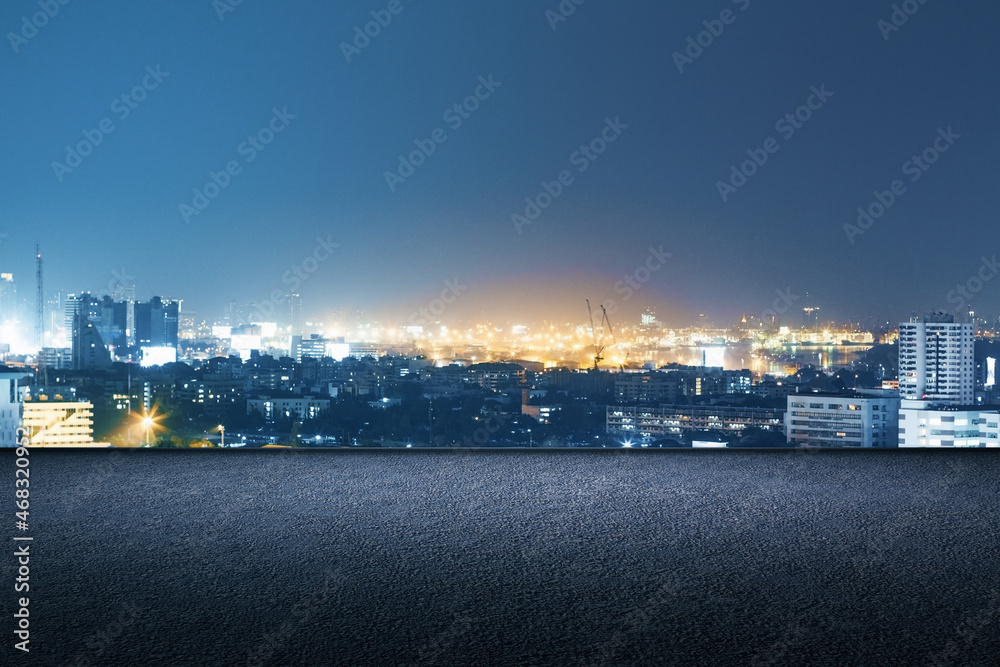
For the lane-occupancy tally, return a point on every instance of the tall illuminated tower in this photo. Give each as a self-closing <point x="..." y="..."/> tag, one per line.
<point x="936" y="360"/>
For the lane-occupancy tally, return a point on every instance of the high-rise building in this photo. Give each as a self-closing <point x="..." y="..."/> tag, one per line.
<point x="313" y="346"/>
<point x="294" y="311"/>
<point x="56" y="358"/>
<point x="936" y="360"/>
<point x="90" y="324"/>
<point x="113" y="324"/>
<point x="8" y="298"/>
<point x="89" y="351"/>
<point x="84" y="304"/>
<point x="156" y="322"/>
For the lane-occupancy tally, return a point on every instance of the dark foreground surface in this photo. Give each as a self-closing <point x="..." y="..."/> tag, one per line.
<point x="488" y="558"/>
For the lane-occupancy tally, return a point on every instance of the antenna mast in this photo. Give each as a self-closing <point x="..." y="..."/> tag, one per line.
<point x="39" y="302"/>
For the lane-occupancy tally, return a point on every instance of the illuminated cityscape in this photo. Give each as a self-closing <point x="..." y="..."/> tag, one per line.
<point x="520" y="333"/>
<point x="767" y="380"/>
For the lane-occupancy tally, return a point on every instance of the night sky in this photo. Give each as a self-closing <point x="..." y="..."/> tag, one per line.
<point x="609" y="67"/>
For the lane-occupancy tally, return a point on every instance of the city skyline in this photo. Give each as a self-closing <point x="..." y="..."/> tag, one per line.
<point x="691" y="177"/>
<point x="530" y="332"/>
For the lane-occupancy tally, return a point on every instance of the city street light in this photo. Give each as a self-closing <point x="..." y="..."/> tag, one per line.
<point x="222" y="435"/>
<point x="147" y="426"/>
<point x="150" y="422"/>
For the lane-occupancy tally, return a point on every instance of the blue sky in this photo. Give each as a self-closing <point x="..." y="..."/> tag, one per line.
<point x="323" y="175"/>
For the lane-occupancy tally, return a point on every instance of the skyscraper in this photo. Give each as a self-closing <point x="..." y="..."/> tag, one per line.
<point x="294" y="311"/>
<point x="89" y="351"/>
<point x="8" y="300"/>
<point x="936" y="360"/>
<point x="156" y="322"/>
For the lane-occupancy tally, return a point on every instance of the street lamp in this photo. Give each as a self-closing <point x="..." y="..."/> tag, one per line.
<point x="147" y="426"/>
<point x="150" y="421"/>
<point x="222" y="432"/>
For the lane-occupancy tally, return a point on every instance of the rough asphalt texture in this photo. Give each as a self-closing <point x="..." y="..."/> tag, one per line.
<point x="507" y="558"/>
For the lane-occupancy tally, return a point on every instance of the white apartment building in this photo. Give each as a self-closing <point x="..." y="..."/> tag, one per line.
<point x="837" y="420"/>
<point x="59" y="423"/>
<point x="936" y="360"/>
<point x="922" y="424"/>
<point x="10" y="405"/>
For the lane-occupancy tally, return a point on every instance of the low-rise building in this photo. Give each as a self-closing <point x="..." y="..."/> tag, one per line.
<point x="213" y="395"/>
<point x="647" y="423"/>
<point x="300" y="408"/>
<point x="842" y="420"/>
<point x="11" y="382"/>
<point x="929" y="424"/>
<point x="58" y="423"/>
<point x="496" y="375"/>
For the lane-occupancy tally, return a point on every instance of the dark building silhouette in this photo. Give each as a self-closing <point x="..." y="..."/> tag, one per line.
<point x="156" y="323"/>
<point x="89" y="351"/>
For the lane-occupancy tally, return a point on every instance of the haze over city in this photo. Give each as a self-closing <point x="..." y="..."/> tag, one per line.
<point x="306" y="122"/>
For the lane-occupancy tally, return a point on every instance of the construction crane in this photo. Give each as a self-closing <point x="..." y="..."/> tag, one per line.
<point x="599" y="346"/>
<point x="606" y="321"/>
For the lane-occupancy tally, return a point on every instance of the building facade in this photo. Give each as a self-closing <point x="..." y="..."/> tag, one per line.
<point x="58" y="423"/>
<point x="673" y="385"/>
<point x="936" y="360"/>
<point x="924" y="424"/>
<point x="10" y="405"/>
<point x="835" y="420"/>
<point x="496" y="375"/>
<point x="288" y="408"/>
<point x="648" y="423"/>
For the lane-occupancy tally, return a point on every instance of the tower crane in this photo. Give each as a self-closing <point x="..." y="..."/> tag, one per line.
<point x="606" y="321"/>
<point x="599" y="345"/>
